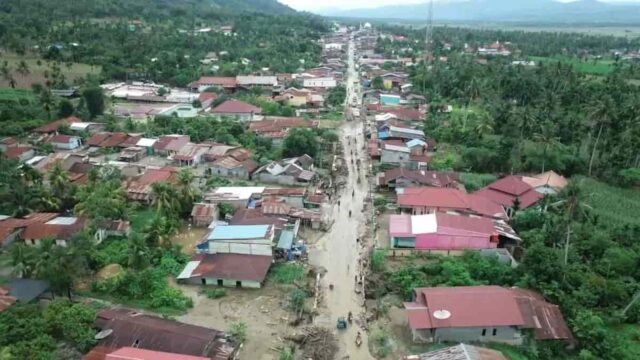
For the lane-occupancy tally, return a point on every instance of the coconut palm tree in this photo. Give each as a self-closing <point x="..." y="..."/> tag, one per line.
<point x="59" y="183"/>
<point x="23" y="68"/>
<point x="601" y="118"/>
<point x="23" y="259"/>
<point x="546" y="137"/>
<point x="165" y="198"/>
<point x="46" y="100"/>
<point x="138" y="252"/>
<point x="574" y="208"/>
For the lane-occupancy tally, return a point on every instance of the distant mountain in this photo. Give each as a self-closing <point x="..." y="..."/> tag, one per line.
<point x="591" y="11"/>
<point x="262" y="6"/>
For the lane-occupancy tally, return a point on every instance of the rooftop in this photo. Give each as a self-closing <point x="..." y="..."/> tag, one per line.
<point x="233" y="106"/>
<point x="235" y="232"/>
<point x="230" y="266"/>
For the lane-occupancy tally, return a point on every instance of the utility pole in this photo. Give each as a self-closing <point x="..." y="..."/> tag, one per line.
<point x="428" y="39"/>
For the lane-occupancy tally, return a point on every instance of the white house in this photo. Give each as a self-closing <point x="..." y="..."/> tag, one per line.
<point x="324" y="82"/>
<point x="66" y="142"/>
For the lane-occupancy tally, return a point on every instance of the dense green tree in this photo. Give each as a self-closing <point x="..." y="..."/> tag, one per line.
<point x="65" y="108"/>
<point x="298" y="142"/>
<point x="94" y="100"/>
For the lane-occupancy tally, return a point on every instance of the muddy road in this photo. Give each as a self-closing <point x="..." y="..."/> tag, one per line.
<point x="339" y="252"/>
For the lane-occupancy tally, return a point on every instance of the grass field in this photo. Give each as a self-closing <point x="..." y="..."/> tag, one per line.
<point x="612" y="204"/>
<point x="15" y="95"/>
<point x="36" y="75"/>
<point x="596" y="67"/>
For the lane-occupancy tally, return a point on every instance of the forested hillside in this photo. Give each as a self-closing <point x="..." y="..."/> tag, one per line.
<point x="158" y="39"/>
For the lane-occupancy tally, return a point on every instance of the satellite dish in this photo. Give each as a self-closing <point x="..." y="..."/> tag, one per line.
<point x="441" y="314"/>
<point x="103" y="334"/>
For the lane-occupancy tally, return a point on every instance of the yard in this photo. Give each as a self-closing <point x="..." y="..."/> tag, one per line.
<point x="38" y="68"/>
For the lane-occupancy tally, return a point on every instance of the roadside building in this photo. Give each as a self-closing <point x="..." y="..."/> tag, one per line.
<point x="291" y="196"/>
<point x="548" y="182"/>
<point x="320" y="83"/>
<point x="241" y="239"/>
<point x="228" y="84"/>
<point x="395" y="154"/>
<point x="428" y="200"/>
<point x="402" y="177"/>
<point x="168" y="145"/>
<point x="483" y="314"/>
<point x="226" y="269"/>
<point x="441" y="231"/>
<point x="140" y="189"/>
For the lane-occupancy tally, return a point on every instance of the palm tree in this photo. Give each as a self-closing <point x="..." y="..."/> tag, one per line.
<point x="23" y="68"/>
<point x="484" y="127"/>
<point x="546" y="137"/>
<point x="138" y="252"/>
<point x="601" y="117"/>
<point x="165" y="199"/>
<point x="159" y="231"/>
<point x="5" y="71"/>
<point x="59" y="183"/>
<point x="46" y="100"/>
<point x="22" y="259"/>
<point x="573" y="208"/>
<point x="187" y="192"/>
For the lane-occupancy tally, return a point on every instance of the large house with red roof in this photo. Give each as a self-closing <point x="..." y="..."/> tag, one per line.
<point x="401" y="177"/>
<point x="237" y="109"/>
<point x="511" y="190"/>
<point x="483" y="314"/>
<point x="428" y="200"/>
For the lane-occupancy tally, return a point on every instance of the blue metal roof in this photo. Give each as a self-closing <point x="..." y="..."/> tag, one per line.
<point x="415" y="142"/>
<point x="286" y="240"/>
<point x="230" y="232"/>
<point x="383" y="134"/>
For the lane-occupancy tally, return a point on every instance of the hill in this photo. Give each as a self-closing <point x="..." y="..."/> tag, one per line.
<point x="549" y="11"/>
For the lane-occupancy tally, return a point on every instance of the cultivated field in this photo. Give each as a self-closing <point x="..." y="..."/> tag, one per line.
<point x="36" y="75"/>
<point x="595" y="67"/>
<point x="612" y="204"/>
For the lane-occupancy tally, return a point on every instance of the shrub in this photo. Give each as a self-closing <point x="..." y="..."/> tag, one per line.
<point x="380" y="343"/>
<point x="215" y="293"/>
<point x="378" y="260"/>
<point x="296" y="300"/>
<point x="287" y="273"/>
<point x="238" y="332"/>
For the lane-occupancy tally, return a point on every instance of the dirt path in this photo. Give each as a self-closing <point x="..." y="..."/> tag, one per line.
<point x="337" y="251"/>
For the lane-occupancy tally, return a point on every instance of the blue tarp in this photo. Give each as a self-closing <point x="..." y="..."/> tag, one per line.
<point x="383" y="135"/>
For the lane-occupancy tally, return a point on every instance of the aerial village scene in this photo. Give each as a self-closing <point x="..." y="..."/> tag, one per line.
<point x="361" y="199"/>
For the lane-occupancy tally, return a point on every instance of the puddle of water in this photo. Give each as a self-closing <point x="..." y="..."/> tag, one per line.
<point x="188" y="238"/>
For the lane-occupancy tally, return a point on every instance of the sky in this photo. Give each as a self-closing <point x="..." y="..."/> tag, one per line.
<point x="314" y="5"/>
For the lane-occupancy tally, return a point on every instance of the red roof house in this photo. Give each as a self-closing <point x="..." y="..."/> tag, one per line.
<point x="425" y="200"/>
<point x="129" y="327"/>
<point x="506" y="190"/>
<point x="236" y="108"/>
<point x="481" y="314"/>
<point x="401" y="177"/>
<point x="53" y="127"/>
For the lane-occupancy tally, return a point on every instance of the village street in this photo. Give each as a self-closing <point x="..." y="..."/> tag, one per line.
<point x="339" y="252"/>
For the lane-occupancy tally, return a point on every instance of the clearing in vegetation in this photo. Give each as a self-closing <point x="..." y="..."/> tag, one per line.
<point x="36" y="75"/>
<point x="615" y="205"/>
